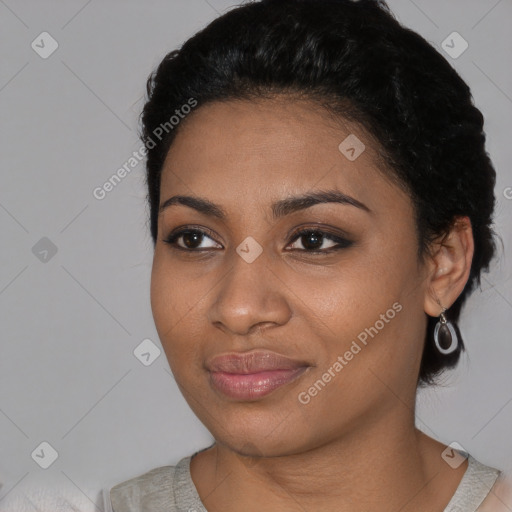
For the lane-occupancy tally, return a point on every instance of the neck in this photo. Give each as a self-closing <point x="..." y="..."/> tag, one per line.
<point x="387" y="465"/>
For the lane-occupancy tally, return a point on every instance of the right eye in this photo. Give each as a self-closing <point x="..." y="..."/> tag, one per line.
<point x="191" y="239"/>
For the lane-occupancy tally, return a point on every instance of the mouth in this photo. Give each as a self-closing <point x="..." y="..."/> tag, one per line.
<point x="253" y="375"/>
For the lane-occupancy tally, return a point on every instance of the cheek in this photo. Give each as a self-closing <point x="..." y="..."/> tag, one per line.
<point x="161" y="301"/>
<point x="374" y="301"/>
<point x="171" y="297"/>
<point x="176" y="308"/>
<point x="167" y="305"/>
<point x="355" y="292"/>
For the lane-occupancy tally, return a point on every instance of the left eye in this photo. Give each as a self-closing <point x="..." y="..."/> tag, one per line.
<point x="316" y="238"/>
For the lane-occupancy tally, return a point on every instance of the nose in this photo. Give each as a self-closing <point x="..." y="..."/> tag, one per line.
<point x="250" y="296"/>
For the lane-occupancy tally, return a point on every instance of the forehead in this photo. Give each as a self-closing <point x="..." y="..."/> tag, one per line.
<point x="252" y="150"/>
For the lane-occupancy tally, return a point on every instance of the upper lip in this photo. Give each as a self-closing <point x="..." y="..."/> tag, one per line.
<point x="252" y="362"/>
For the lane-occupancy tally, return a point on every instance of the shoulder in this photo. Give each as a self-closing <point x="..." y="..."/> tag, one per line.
<point x="499" y="498"/>
<point x="152" y="490"/>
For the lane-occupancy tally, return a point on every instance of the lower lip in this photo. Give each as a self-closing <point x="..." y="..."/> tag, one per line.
<point x="254" y="385"/>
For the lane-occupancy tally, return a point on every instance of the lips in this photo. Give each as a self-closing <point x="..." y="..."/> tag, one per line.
<point x="252" y="375"/>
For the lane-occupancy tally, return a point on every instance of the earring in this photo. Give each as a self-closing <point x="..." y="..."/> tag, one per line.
<point x="445" y="337"/>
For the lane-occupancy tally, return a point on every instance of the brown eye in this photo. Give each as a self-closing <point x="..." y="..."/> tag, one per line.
<point x="313" y="239"/>
<point x="192" y="239"/>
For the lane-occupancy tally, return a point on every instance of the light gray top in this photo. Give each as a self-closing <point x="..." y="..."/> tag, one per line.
<point x="171" y="489"/>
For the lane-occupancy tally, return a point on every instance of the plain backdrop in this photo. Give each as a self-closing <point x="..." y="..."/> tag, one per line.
<point x="75" y="270"/>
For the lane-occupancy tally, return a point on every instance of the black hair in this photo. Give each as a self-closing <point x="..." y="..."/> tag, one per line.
<point x="359" y="62"/>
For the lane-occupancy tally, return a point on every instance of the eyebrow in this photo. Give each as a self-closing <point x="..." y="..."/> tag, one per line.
<point x="280" y="208"/>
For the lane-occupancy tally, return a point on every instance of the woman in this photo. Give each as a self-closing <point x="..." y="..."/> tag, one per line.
<point x="321" y="207"/>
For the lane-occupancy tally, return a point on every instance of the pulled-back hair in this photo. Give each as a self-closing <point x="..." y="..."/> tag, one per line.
<point x="360" y="63"/>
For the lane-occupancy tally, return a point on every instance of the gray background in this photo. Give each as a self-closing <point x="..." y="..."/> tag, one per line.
<point x="70" y="321"/>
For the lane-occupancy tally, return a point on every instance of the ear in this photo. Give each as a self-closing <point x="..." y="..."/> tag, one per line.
<point x="449" y="266"/>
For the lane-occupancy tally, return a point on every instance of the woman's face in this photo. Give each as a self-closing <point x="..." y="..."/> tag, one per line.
<point x="277" y="348"/>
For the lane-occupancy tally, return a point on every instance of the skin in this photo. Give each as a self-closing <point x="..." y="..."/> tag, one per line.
<point x="354" y="446"/>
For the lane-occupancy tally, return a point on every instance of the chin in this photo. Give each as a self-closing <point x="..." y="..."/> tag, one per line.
<point x="250" y="439"/>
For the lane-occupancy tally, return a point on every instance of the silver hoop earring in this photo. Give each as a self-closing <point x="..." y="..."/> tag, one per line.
<point x="445" y="337"/>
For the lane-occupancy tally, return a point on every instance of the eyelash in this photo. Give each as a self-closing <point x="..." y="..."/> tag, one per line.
<point x="342" y="243"/>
